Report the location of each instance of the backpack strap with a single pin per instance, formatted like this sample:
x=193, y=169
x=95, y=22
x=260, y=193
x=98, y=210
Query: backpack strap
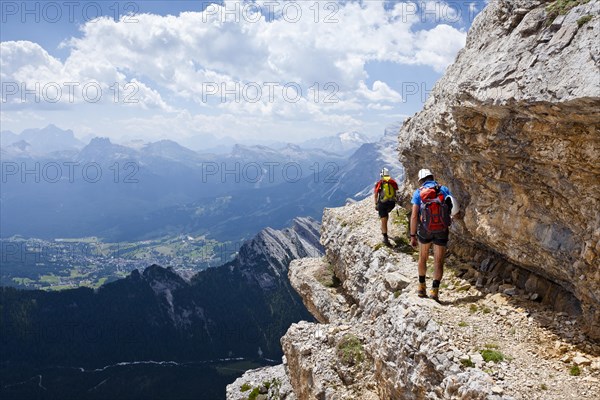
x=379, y=188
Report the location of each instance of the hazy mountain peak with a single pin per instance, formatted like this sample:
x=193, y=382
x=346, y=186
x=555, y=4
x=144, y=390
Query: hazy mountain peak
x=254, y=151
x=364, y=166
x=7, y=138
x=344, y=143
x=292, y=146
x=165, y=143
x=50, y=139
x=49, y=130
x=101, y=149
x=136, y=144
x=16, y=149
x=100, y=142
x=353, y=137
x=169, y=149
x=21, y=145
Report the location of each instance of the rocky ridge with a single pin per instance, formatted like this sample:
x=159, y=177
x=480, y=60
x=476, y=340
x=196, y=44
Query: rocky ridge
x=377, y=340
x=516, y=119
x=273, y=250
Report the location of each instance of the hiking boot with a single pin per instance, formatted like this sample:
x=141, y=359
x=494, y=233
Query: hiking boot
x=434, y=293
x=422, y=291
x=386, y=241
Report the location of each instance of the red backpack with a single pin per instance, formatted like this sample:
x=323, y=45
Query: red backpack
x=435, y=214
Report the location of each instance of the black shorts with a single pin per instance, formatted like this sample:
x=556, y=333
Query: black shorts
x=385, y=208
x=441, y=239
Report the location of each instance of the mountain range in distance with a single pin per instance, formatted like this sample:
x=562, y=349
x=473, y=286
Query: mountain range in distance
x=52, y=139
x=238, y=310
x=145, y=191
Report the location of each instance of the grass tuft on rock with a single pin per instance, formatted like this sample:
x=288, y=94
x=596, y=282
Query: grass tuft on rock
x=467, y=363
x=561, y=7
x=575, y=370
x=350, y=350
x=378, y=246
x=245, y=387
x=492, y=355
x=583, y=20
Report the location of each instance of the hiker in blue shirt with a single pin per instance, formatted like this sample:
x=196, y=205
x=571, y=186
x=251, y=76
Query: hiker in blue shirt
x=433, y=206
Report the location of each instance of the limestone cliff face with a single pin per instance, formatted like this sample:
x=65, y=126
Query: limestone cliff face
x=513, y=128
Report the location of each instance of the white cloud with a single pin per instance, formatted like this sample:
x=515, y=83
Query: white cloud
x=380, y=92
x=30, y=76
x=438, y=47
x=379, y=107
x=177, y=59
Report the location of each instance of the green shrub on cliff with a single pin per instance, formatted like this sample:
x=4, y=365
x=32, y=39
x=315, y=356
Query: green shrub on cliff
x=350, y=350
x=583, y=20
x=562, y=7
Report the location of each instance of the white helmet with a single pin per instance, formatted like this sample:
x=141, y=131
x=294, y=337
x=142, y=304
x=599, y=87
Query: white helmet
x=384, y=172
x=424, y=173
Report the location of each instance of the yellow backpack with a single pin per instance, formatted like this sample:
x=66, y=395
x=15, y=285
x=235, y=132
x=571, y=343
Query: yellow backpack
x=387, y=191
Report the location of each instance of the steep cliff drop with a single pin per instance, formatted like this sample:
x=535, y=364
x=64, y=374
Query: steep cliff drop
x=377, y=340
x=513, y=128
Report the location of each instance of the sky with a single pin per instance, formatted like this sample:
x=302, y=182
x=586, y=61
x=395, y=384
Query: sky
x=255, y=71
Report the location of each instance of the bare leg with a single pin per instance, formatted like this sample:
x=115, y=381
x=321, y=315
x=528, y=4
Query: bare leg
x=439, y=252
x=423, y=254
x=384, y=222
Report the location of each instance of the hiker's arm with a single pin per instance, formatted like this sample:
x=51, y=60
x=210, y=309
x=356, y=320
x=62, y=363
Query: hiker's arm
x=414, y=220
x=375, y=192
x=454, y=206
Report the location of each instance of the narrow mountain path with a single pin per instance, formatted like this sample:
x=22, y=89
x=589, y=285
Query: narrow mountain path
x=544, y=354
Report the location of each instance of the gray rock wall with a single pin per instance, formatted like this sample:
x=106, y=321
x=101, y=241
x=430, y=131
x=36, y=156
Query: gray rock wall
x=513, y=128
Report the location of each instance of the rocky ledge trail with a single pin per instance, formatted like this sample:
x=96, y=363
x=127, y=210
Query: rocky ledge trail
x=377, y=340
